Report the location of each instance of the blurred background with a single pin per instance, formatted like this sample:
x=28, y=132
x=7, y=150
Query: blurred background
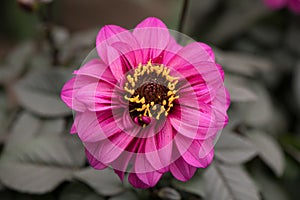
x=42, y=41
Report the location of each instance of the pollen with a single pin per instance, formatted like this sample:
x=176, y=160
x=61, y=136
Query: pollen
x=151, y=92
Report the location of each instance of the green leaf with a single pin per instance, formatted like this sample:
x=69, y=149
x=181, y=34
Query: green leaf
x=261, y=113
x=78, y=191
x=28, y=126
x=39, y=92
x=234, y=149
x=243, y=64
x=238, y=90
x=195, y=185
x=268, y=150
x=238, y=18
x=270, y=189
x=168, y=193
x=16, y=62
x=129, y=195
x=224, y=182
x=38, y=165
x=105, y=182
x=3, y=117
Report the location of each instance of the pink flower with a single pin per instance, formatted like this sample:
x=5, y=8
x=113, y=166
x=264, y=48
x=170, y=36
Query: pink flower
x=148, y=105
x=293, y=5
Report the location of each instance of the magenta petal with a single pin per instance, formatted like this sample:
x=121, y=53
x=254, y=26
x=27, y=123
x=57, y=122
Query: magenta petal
x=153, y=37
x=110, y=34
x=189, y=55
x=108, y=150
x=73, y=129
x=94, y=68
x=193, y=122
x=276, y=4
x=70, y=90
x=96, y=164
x=159, y=148
x=120, y=174
x=92, y=127
x=130, y=56
x=96, y=96
x=181, y=170
x=136, y=182
x=208, y=49
x=150, y=178
x=294, y=6
x=198, y=153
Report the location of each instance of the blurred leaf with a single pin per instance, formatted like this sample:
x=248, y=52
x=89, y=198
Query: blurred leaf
x=60, y=35
x=39, y=92
x=269, y=188
x=292, y=36
x=266, y=35
x=168, y=193
x=2, y=117
x=229, y=182
x=78, y=191
x=28, y=126
x=195, y=185
x=105, y=182
x=296, y=85
x=238, y=90
x=236, y=19
x=261, y=113
x=41, y=61
x=125, y=196
x=243, y=64
x=234, y=149
x=39, y=165
x=268, y=150
x=16, y=62
x=78, y=46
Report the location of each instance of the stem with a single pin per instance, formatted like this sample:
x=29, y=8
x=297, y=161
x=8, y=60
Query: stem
x=183, y=15
x=46, y=18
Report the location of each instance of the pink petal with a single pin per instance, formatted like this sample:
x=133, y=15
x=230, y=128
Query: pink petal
x=129, y=55
x=208, y=49
x=96, y=96
x=121, y=174
x=181, y=170
x=153, y=37
x=115, y=61
x=150, y=178
x=193, y=121
x=190, y=55
x=94, y=68
x=108, y=150
x=92, y=126
x=70, y=89
x=198, y=153
x=159, y=148
x=96, y=164
x=221, y=71
x=220, y=105
x=110, y=34
x=73, y=129
x=136, y=182
x=170, y=51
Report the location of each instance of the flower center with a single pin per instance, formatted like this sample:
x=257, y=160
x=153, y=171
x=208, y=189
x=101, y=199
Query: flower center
x=151, y=92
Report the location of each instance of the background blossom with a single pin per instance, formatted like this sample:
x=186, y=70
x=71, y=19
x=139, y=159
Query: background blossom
x=293, y=5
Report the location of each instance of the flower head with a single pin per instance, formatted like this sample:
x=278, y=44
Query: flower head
x=148, y=105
